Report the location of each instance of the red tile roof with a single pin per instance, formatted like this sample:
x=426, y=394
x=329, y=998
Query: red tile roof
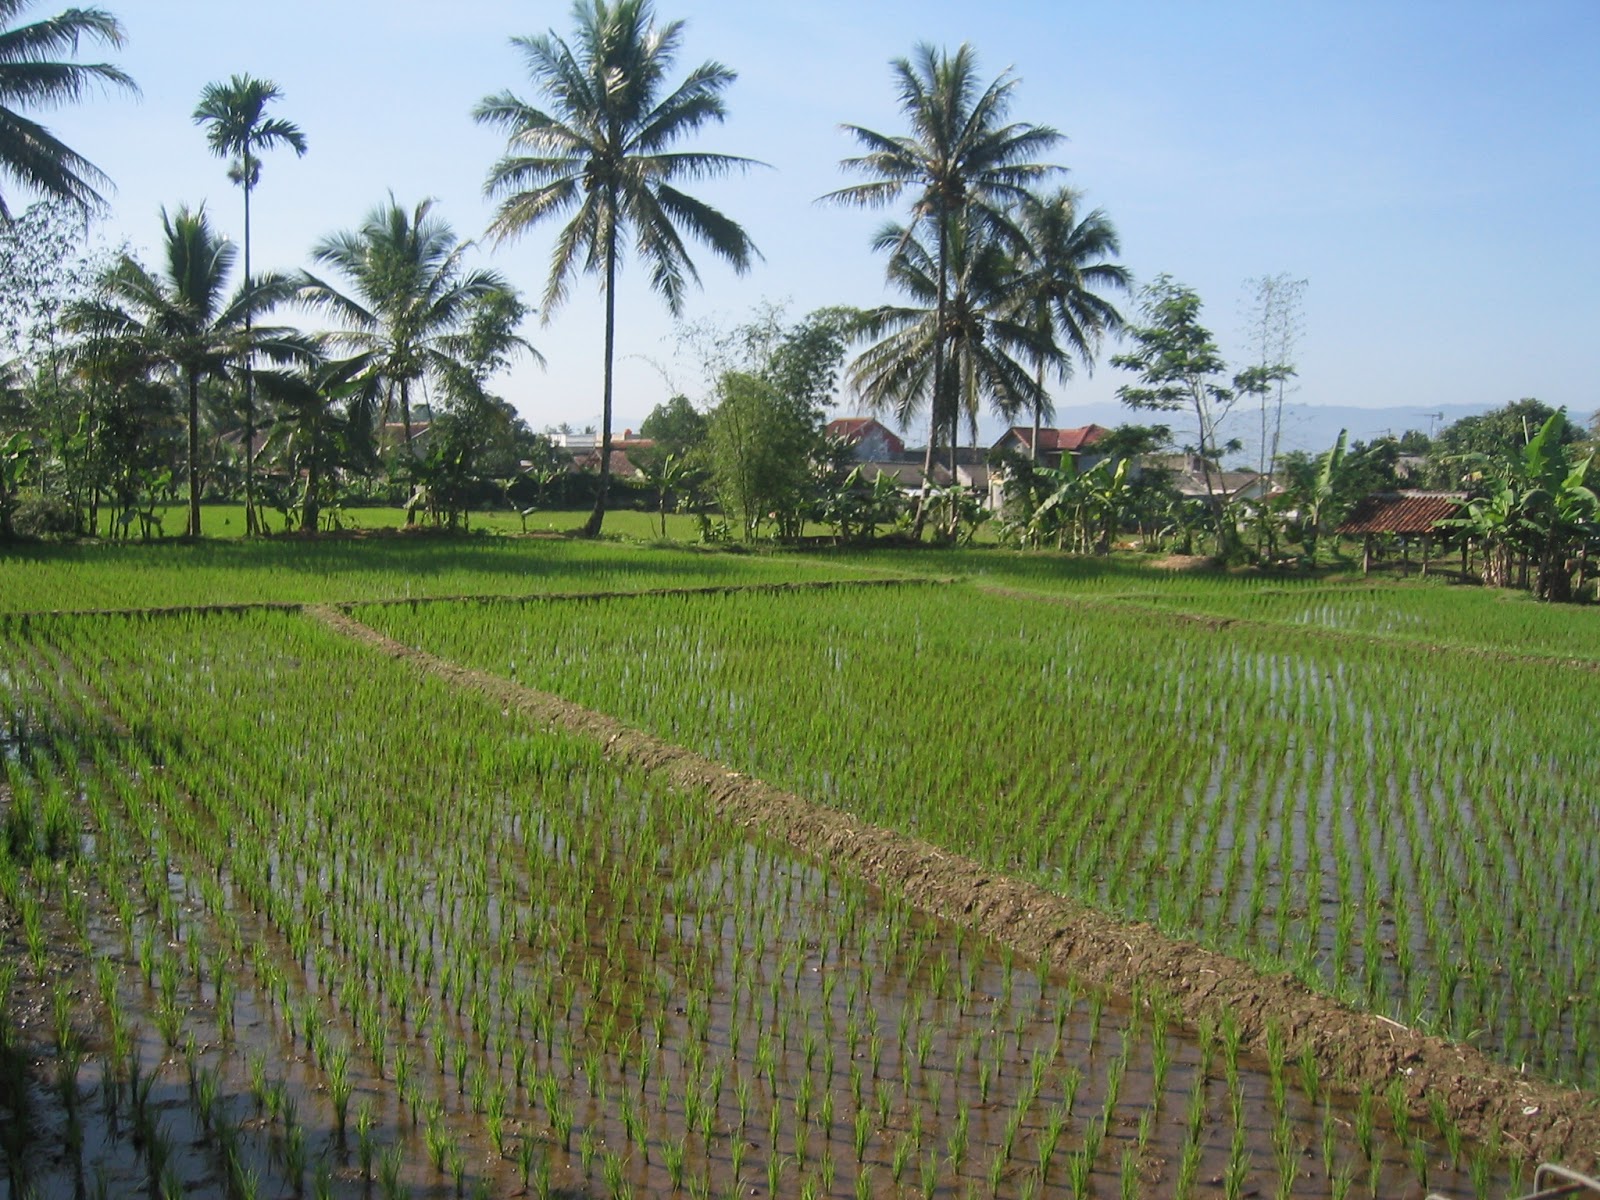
x=1068, y=440
x=1410, y=513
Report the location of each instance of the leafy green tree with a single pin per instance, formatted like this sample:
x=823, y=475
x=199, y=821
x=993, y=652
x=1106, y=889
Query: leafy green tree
x=677, y=427
x=1500, y=436
x=963, y=164
x=183, y=319
x=1181, y=370
x=762, y=442
x=238, y=128
x=410, y=308
x=1064, y=267
x=29, y=75
x=607, y=147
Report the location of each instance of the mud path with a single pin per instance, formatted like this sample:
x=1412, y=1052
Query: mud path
x=1537, y=1120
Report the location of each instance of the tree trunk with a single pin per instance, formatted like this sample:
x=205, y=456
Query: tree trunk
x=597, y=518
x=251, y=521
x=194, y=453
x=310, y=510
x=937, y=398
x=411, y=458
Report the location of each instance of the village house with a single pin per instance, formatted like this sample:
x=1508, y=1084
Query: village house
x=869, y=439
x=1073, y=445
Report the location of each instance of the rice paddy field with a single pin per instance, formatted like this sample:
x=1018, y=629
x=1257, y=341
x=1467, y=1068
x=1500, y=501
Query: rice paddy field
x=286, y=571
x=287, y=914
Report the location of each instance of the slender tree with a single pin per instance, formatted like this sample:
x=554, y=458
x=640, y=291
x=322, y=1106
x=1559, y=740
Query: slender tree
x=960, y=155
x=606, y=147
x=30, y=76
x=238, y=129
x=183, y=320
x=408, y=307
x=1065, y=271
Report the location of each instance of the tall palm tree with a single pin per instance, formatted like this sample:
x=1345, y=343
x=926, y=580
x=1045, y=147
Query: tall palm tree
x=961, y=156
x=408, y=308
x=1064, y=271
x=29, y=153
x=990, y=341
x=184, y=321
x=606, y=148
x=238, y=128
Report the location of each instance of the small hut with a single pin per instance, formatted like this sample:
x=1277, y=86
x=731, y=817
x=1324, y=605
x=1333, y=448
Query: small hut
x=1405, y=515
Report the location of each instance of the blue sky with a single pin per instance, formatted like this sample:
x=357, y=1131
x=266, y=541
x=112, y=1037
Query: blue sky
x=1433, y=169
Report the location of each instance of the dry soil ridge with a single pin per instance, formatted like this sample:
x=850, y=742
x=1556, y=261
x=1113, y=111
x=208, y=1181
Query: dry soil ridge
x=1537, y=1119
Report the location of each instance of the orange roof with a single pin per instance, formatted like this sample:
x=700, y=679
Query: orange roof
x=1410, y=513
x=1067, y=440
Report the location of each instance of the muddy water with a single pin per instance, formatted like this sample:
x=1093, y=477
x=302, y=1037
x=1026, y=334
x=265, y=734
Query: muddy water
x=730, y=1020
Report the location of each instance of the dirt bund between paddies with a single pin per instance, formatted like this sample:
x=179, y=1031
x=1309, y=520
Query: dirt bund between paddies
x=1537, y=1120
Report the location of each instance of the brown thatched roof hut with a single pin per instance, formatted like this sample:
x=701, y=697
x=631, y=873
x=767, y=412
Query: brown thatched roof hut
x=1403, y=514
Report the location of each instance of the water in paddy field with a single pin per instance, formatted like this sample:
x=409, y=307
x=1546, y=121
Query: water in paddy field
x=601, y=985
x=842, y=1037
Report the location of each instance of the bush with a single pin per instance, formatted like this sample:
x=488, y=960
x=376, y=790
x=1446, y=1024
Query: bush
x=45, y=517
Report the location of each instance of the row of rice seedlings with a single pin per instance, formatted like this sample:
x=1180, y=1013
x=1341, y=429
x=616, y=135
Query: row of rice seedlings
x=1372, y=824
x=562, y=974
x=76, y=577
x=1442, y=615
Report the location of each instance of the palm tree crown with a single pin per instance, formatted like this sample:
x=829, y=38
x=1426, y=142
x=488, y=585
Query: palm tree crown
x=29, y=75
x=606, y=147
x=960, y=150
x=238, y=126
x=1064, y=270
x=408, y=304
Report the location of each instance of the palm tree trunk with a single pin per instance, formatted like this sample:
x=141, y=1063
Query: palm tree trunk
x=309, y=512
x=934, y=413
x=597, y=517
x=1038, y=412
x=410, y=458
x=194, y=453
x=251, y=523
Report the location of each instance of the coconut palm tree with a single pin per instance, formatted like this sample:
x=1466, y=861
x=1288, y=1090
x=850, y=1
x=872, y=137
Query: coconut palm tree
x=408, y=307
x=29, y=153
x=1064, y=271
x=960, y=157
x=183, y=320
x=239, y=129
x=989, y=340
x=607, y=147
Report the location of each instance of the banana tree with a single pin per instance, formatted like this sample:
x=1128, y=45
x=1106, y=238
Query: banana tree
x=16, y=453
x=1087, y=505
x=1538, y=508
